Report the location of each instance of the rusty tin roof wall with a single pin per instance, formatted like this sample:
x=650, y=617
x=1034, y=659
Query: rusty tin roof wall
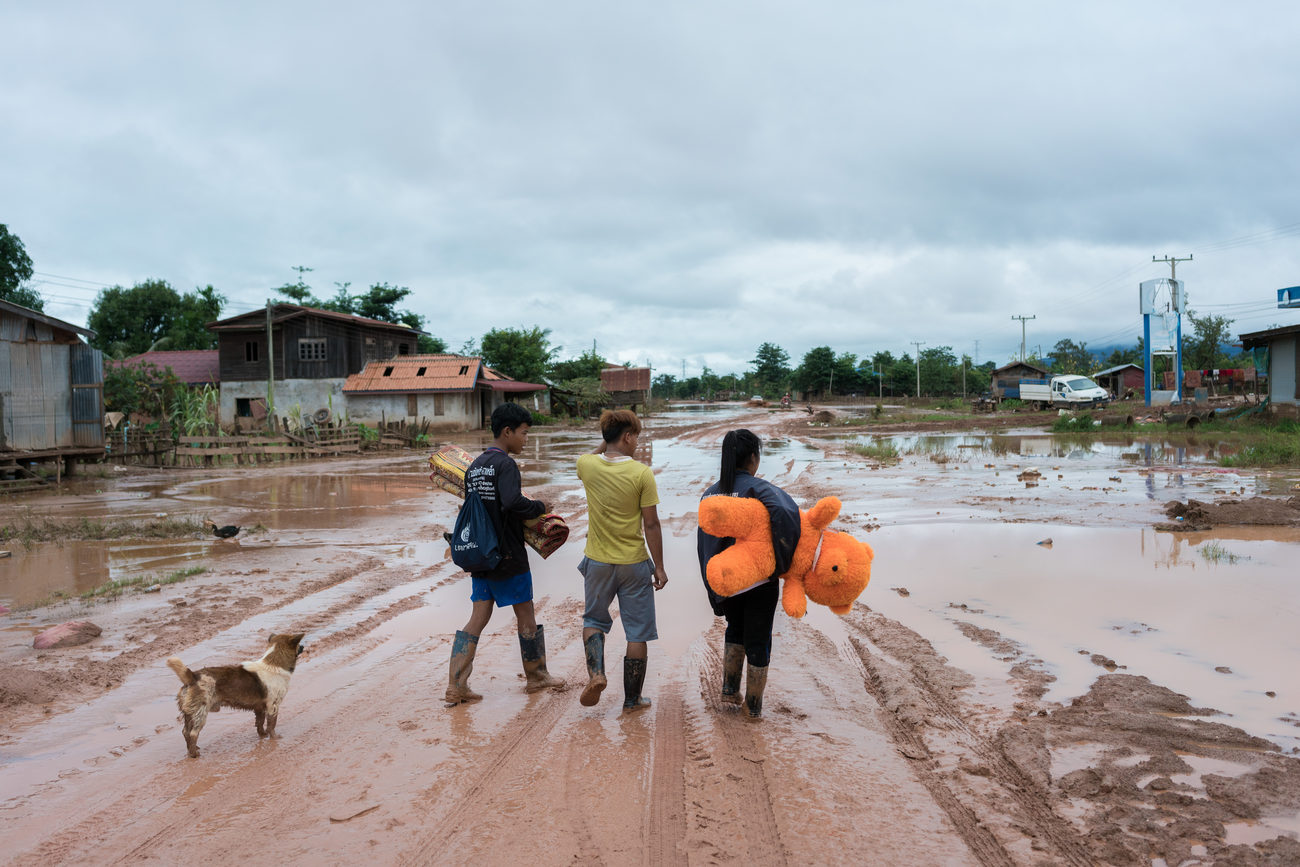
x=625, y=378
x=411, y=373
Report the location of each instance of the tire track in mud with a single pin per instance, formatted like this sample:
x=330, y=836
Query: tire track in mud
x=516, y=754
x=733, y=747
x=1029, y=797
x=666, y=819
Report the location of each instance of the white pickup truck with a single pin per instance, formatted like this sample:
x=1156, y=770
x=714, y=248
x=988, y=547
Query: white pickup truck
x=1063, y=391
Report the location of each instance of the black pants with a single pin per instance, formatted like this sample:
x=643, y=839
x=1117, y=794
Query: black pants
x=749, y=621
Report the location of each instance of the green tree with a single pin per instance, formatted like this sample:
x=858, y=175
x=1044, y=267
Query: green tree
x=1071, y=357
x=939, y=372
x=848, y=379
x=520, y=354
x=1132, y=355
x=130, y=321
x=901, y=378
x=814, y=373
x=585, y=366
x=771, y=369
x=196, y=309
x=1204, y=349
x=15, y=270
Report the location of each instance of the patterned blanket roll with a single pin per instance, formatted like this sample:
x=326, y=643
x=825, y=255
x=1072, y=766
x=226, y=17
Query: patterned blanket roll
x=544, y=534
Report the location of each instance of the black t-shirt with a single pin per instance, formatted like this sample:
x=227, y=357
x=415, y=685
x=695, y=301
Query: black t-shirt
x=494, y=475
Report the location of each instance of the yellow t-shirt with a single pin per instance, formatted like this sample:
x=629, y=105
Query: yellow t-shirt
x=617, y=491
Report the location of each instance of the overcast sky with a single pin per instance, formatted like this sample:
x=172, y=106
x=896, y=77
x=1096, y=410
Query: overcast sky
x=679, y=182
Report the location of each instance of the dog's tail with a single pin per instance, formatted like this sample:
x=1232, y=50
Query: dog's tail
x=187, y=677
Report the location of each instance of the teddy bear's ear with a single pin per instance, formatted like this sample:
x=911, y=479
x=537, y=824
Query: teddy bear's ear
x=825, y=510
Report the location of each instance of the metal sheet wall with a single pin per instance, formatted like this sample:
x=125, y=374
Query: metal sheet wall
x=86, y=369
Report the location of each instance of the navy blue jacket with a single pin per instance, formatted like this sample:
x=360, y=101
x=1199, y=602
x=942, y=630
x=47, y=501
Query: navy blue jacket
x=785, y=529
x=495, y=476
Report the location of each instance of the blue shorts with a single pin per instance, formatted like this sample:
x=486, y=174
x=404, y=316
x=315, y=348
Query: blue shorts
x=632, y=585
x=503, y=591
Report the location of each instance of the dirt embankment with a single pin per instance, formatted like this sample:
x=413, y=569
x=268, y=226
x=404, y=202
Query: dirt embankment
x=1195, y=515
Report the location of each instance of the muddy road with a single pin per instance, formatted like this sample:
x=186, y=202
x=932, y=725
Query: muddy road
x=1034, y=676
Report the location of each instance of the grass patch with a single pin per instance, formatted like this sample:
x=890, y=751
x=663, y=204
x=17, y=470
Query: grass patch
x=31, y=530
x=882, y=452
x=117, y=587
x=1276, y=449
x=1078, y=423
x=1213, y=552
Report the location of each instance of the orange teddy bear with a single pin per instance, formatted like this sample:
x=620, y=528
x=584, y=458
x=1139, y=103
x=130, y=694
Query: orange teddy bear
x=828, y=567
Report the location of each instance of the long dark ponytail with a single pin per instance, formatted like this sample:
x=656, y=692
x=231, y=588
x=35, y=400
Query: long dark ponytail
x=739, y=447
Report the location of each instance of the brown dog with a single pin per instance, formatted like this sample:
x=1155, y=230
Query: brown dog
x=258, y=686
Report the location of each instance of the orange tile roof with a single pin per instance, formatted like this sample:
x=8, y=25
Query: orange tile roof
x=416, y=373
x=412, y=373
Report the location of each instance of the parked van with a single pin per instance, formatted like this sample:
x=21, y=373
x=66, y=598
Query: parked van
x=1067, y=391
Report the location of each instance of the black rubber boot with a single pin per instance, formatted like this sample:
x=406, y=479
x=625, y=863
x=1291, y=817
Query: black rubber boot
x=633, y=680
x=594, y=647
x=533, y=651
x=755, y=682
x=733, y=666
x=463, y=649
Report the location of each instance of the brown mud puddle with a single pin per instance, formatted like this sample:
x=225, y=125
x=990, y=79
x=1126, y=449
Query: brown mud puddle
x=1117, y=697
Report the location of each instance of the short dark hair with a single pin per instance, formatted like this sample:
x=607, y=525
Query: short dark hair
x=509, y=415
x=616, y=422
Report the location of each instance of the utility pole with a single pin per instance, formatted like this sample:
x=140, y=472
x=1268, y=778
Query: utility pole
x=270, y=367
x=977, y=353
x=918, y=344
x=1022, y=333
x=1173, y=264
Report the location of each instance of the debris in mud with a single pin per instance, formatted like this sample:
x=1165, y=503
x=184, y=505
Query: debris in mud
x=1195, y=515
x=1029, y=475
x=68, y=634
x=1046, y=543
x=369, y=809
x=901, y=591
x=1223, y=669
x=1105, y=662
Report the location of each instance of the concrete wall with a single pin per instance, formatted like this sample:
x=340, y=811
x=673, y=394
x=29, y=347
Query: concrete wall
x=448, y=411
x=310, y=394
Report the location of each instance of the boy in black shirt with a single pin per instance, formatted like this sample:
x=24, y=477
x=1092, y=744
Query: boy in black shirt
x=494, y=475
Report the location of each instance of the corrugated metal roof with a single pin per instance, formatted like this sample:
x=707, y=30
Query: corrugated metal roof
x=418, y=373
x=625, y=379
x=191, y=366
x=282, y=312
x=19, y=310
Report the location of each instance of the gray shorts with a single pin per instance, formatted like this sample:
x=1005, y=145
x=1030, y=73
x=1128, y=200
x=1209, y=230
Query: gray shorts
x=632, y=584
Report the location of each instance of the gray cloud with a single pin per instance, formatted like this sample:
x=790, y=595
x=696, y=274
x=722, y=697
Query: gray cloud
x=678, y=182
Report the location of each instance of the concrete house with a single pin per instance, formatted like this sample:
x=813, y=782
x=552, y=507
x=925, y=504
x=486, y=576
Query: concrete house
x=450, y=392
x=51, y=389
x=309, y=355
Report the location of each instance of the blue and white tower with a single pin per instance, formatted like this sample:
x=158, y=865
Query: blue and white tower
x=1162, y=302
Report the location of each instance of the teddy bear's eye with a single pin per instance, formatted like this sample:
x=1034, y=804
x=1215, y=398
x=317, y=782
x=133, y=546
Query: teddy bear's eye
x=835, y=568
